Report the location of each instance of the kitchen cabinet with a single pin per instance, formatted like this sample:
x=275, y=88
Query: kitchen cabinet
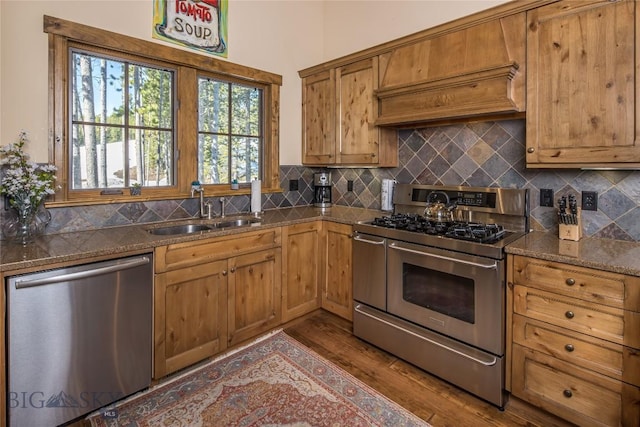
x=338, y=116
x=302, y=269
x=337, y=287
x=582, y=85
x=574, y=341
x=254, y=294
x=189, y=316
x=208, y=294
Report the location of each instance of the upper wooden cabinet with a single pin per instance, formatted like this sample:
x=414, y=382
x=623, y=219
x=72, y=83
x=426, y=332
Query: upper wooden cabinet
x=582, y=88
x=338, y=115
x=470, y=71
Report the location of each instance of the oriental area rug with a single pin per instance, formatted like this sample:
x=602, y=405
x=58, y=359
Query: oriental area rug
x=274, y=381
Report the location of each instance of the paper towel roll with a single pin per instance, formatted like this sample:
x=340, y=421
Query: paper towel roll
x=256, y=197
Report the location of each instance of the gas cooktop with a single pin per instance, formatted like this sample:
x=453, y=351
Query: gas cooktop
x=471, y=231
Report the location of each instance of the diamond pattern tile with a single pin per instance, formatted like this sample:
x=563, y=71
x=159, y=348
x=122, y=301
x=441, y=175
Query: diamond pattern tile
x=484, y=154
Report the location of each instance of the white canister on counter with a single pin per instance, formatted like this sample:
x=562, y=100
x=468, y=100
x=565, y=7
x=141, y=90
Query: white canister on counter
x=386, y=194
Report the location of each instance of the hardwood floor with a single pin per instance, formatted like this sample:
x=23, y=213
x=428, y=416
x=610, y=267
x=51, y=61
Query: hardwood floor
x=435, y=401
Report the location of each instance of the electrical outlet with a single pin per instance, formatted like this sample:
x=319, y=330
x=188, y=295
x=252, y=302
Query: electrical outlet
x=293, y=185
x=589, y=200
x=546, y=197
x=349, y=185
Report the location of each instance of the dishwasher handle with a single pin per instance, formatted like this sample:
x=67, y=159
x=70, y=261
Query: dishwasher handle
x=89, y=272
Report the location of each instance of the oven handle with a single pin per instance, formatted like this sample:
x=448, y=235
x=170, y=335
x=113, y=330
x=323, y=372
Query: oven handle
x=458, y=352
x=360, y=239
x=461, y=261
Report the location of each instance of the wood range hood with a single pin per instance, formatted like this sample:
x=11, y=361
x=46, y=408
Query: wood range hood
x=458, y=73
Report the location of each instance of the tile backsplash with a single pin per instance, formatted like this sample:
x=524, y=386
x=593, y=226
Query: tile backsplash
x=486, y=154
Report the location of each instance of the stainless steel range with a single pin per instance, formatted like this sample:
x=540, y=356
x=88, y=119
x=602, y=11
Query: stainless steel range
x=429, y=281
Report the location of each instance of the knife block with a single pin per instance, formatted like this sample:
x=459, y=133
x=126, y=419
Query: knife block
x=571, y=231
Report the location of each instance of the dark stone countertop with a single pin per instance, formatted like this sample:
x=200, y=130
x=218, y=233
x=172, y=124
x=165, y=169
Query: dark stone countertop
x=111, y=242
x=616, y=256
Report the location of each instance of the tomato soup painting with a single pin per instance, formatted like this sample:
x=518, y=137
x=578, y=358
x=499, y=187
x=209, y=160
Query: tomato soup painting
x=198, y=24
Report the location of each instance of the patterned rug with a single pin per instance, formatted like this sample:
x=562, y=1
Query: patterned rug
x=275, y=381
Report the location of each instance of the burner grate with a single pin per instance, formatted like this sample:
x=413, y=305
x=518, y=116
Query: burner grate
x=471, y=231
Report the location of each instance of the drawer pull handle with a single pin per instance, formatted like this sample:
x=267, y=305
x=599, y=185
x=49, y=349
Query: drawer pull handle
x=569, y=314
x=569, y=347
x=570, y=281
x=567, y=393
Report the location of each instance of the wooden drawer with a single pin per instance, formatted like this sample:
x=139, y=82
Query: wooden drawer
x=573, y=393
x=180, y=255
x=611, y=324
x=611, y=289
x=613, y=360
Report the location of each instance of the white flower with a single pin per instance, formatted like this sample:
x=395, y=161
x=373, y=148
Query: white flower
x=26, y=183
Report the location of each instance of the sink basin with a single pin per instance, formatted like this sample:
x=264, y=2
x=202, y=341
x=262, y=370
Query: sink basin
x=180, y=229
x=235, y=223
x=171, y=230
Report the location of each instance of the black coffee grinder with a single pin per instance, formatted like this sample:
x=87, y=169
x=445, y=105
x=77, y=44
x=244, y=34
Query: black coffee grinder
x=322, y=190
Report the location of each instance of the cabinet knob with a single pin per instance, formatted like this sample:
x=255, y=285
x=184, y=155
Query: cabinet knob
x=570, y=281
x=567, y=393
x=569, y=347
x=531, y=150
x=233, y=269
x=569, y=314
x=224, y=272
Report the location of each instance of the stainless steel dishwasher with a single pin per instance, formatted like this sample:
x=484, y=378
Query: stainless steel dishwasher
x=79, y=339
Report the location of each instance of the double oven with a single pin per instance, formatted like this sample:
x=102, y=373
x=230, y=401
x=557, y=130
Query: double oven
x=433, y=292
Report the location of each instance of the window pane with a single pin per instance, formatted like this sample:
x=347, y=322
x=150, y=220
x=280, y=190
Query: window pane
x=213, y=106
x=213, y=159
x=97, y=89
x=150, y=158
x=150, y=103
x=245, y=158
x=135, y=143
x=245, y=110
x=97, y=157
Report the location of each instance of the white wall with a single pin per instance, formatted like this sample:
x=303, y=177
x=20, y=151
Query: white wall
x=279, y=36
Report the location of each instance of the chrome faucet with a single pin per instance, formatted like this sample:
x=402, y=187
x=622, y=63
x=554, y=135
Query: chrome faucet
x=204, y=213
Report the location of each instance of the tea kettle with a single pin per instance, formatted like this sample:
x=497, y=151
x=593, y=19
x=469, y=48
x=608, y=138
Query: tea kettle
x=439, y=207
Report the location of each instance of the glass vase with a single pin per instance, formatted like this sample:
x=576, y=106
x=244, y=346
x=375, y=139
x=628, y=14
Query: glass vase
x=25, y=223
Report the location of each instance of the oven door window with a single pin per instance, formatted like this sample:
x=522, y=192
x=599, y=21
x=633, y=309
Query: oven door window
x=439, y=291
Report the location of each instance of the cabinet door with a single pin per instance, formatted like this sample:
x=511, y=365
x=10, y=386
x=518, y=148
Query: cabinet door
x=254, y=294
x=337, y=291
x=190, y=322
x=301, y=272
x=318, y=119
x=581, y=84
x=357, y=135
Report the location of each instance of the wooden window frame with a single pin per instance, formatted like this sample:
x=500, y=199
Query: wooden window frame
x=62, y=34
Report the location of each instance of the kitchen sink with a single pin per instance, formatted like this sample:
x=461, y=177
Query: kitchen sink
x=180, y=229
x=202, y=227
x=235, y=223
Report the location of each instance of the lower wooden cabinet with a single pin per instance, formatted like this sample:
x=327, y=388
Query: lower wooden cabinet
x=573, y=347
x=576, y=394
x=337, y=286
x=190, y=321
x=213, y=293
x=302, y=262
x=254, y=294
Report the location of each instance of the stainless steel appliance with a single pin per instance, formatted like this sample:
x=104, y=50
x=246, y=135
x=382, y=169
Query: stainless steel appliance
x=78, y=339
x=431, y=289
x=322, y=189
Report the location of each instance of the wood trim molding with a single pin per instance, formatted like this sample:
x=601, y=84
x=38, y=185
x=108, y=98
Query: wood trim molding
x=94, y=36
